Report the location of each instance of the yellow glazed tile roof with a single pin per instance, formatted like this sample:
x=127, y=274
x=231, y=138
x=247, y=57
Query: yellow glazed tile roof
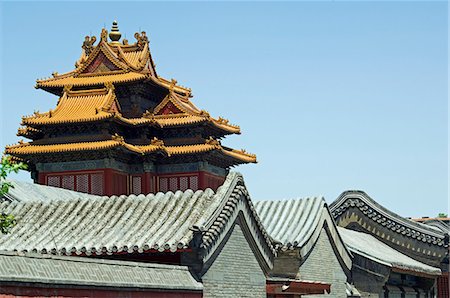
x=29, y=148
x=26, y=149
x=135, y=58
x=190, y=114
x=77, y=106
x=27, y=130
x=60, y=82
x=167, y=120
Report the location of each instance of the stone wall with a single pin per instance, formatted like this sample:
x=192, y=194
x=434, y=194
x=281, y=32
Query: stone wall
x=323, y=265
x=235, y=271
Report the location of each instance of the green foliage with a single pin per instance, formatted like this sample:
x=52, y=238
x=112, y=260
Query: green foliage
x=442, y=215
x=7, y=221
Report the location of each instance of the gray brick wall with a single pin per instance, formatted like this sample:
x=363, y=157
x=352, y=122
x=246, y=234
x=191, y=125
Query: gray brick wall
x=235, y=272
x=323, y=265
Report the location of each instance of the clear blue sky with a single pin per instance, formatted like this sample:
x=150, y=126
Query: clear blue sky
x=331, y=96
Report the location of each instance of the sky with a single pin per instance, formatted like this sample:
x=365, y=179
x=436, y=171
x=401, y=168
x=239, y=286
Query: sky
x=330, y=95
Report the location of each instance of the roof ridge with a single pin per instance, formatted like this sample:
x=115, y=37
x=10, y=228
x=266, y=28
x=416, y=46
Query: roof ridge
x=337, y=207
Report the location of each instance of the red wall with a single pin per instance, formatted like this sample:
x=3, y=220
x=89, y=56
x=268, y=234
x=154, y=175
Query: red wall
x=21, y=291
x=111, y=182
x=443, y=286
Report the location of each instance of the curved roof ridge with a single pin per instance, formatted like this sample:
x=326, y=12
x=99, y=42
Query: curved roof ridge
x=298, y=223
x=338, y=207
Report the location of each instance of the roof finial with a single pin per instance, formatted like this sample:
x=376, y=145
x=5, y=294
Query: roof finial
x=115, y=35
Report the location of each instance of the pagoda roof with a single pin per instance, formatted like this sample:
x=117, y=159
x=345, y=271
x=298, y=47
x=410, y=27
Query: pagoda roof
x=111, y=62
x=99, y=104
x=25, y=150
x=77, y=106
x=98, y=79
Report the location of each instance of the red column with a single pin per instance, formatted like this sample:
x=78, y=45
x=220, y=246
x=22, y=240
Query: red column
x=147, y=184
x=108, y=178
x=202, y=180
x=41, y=178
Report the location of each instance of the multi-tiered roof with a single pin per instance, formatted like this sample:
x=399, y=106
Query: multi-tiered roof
x=114, y=103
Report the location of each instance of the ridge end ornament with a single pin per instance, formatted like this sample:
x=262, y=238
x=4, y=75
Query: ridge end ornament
x=88, y=44
x=141, y=39
x=104, y=35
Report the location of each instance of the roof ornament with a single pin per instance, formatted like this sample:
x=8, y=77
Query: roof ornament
x=67, y=88
x=172, y=85
x=109, y=86
x=88, y=44
x=104, y=35
x=118, y=138
x=204, y=113
x=142, y=39
x=156, y=142
x=212, y=141
x=115, y=34
x=149, y=115
x=223, y=120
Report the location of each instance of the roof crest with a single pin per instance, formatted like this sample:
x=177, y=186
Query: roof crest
x=339, y=206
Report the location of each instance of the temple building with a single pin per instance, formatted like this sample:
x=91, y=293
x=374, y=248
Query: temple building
x=134, y=197
x=119, y=128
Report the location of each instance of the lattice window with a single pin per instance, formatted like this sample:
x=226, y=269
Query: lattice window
x=173, y=182
x=82, y=183
x=97, y=184
x=137, y=185
x=184, y=183
x=54, y=181
x=163, y=184
x=193, y=183
x=442, y=286
x=68, y=182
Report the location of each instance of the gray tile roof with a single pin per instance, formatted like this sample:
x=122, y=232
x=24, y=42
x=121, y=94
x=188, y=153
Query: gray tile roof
x=291, y=222
x=107, y=225
x=369, y=247
x=297, y=223
x=25, y=191
x=78, y=271
x=383, y=216
x=158, y=222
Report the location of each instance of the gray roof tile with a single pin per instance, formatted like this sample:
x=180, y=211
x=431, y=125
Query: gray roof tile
x=78, y=271
x=107, y=225
x=25, y=191
x=84, y=224
x=369, y=247
x=297, y=223
x=291, y=222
